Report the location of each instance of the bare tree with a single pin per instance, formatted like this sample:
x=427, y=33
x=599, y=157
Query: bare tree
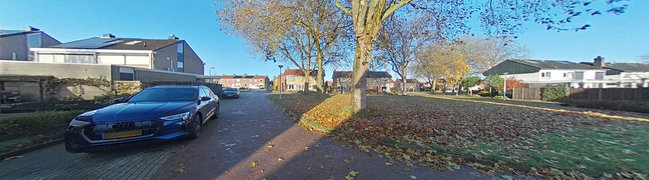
x=485, y=52
x=400, y=40
x=367, y=17
x=305, y=33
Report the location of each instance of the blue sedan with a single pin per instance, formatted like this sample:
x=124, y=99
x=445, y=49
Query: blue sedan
x=154, y=114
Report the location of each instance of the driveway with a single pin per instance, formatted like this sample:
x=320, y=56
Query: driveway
x=252, y=139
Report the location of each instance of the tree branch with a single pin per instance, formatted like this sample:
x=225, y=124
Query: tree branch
x=340, y=6
x=393, y=8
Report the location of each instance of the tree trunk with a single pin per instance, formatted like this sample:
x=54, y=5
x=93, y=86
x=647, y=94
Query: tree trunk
x=361, y=63
x=319, y=60
x=307, y=77
x=404, y=85
x=432, y=89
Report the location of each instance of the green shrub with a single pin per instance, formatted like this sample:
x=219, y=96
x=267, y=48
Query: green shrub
x=554, y=93
x=499, y=97
x=394, y=90
x=484, y=93
x=34, y=123
x=371, y=91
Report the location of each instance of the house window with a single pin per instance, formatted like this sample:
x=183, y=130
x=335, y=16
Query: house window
x=181, y=57
x=546, y=75
x=579, y=75
x=291, y=87
x=238, y=80
x=126, y=74
x=599, y=75
x=34, y=40
x=79, y=58
x=291, y=78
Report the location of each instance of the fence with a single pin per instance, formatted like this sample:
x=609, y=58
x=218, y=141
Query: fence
x=527, y=94
x=613, y=94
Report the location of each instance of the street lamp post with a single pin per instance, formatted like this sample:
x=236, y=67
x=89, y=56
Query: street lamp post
x=280, y=81
x=211, y=70
x=505, y=87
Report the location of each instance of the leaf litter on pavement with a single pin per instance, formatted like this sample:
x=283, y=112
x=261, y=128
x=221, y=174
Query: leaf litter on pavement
x=443, y=134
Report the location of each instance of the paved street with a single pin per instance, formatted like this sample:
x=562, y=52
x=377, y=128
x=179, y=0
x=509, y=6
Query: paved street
x=252, y=139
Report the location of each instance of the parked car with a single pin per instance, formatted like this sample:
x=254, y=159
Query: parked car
x=154, y=114
x=231, y=93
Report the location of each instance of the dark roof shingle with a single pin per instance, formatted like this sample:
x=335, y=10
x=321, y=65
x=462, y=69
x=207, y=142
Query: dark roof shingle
x=554, y=64
x=118, y=43
x=629, y=67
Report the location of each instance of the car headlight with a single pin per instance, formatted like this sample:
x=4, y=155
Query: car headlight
x=78, y=123
x=89, y=113
x=83, y=119
x=181, y=116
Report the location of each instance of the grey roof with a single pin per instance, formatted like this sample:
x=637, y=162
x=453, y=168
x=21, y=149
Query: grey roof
x=629, y=67
x=118, y=43
x=92, y=43
x=553, y=64
x=12, y=32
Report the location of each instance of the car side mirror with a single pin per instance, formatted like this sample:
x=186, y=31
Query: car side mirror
x=205, y=98
x=119, y=100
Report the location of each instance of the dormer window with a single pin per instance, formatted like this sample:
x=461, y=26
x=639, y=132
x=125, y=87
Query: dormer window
x=546, y=75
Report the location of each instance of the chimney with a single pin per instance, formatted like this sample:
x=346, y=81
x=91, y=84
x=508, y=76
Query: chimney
x=109, y=35
x=598, y=61
x=172, y=37
x=30, y=29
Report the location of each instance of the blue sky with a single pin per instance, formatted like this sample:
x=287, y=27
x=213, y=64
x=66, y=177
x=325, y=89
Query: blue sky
x=621, y=38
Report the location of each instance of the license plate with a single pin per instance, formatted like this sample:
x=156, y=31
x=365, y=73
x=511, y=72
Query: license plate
x=123, y=134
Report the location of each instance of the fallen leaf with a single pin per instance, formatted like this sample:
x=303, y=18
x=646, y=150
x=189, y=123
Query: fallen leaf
x=413, y=177
x=351, y=175
x=253, y=164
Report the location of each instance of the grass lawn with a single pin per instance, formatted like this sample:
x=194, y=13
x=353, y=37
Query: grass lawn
x=442, y=134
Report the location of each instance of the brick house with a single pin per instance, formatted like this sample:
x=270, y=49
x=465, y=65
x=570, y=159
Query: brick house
x=379, y=81
x=411, y=84
x=244, y=81
x=293, y=80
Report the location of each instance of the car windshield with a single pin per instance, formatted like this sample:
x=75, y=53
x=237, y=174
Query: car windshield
x=166, y=94
x=230, y=89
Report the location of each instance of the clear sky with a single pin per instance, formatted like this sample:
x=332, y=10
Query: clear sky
x=621, y=38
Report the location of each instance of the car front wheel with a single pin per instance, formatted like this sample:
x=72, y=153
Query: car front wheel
x=194, y=128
